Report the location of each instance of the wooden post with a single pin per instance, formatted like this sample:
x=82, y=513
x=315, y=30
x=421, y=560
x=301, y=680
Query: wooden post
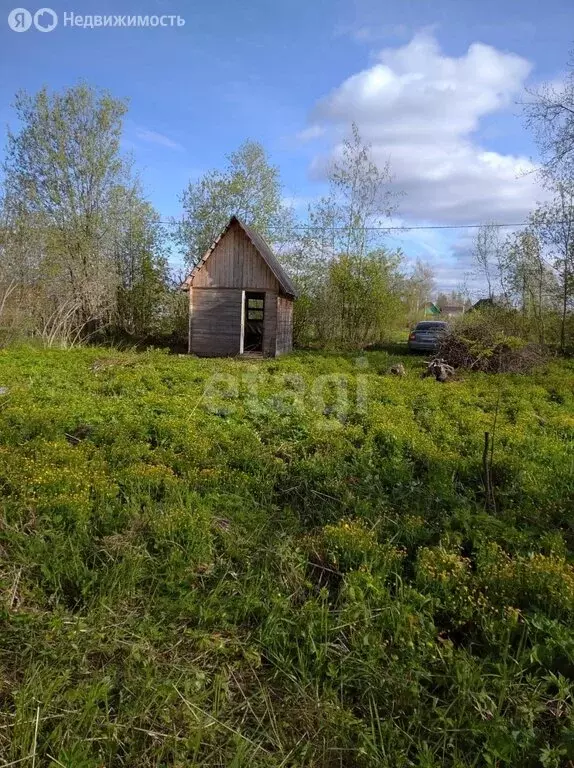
x=487, y=472
x=242, y=331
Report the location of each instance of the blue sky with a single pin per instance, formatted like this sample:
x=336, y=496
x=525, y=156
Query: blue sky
x=432, y=85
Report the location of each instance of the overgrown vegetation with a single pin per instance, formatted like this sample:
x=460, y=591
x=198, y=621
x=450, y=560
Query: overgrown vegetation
x=494, y=340
x=81, y=250
x=290, y=563
x=249, y=187
x=84, y=255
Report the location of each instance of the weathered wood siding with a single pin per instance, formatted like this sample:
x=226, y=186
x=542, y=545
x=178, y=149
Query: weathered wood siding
x=284, y=334
x=270, y=324
x=235, y=263
x=215, y=323
x=215, y=299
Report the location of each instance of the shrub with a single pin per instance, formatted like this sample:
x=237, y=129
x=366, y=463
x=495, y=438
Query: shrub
x=492, y=341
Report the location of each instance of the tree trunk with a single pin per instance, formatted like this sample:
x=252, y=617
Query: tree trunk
x=564, y=308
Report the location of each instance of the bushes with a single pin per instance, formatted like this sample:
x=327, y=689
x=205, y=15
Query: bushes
x=350, y=302
x=494, y=341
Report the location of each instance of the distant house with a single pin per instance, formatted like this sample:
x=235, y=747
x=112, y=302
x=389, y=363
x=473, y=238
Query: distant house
x=452, y=310
x=240, y=298
x=483, y=304
x=445, y=310
x=431, y=309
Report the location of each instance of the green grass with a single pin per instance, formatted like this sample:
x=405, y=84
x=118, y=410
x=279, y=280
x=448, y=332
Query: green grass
x=267, y=568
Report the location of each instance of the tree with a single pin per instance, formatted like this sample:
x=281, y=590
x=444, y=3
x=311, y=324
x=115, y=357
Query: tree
x=463, y=291
x=549, y=113
x=69, y=199
x=364, y=297
x=554, y=224
x=141, y=264
x=361, y=197
x=456, y=296
x=248, y=187
x=60, y=171
x=530, y=278
x=488, y=254
x=417, y=289
x=350, y=284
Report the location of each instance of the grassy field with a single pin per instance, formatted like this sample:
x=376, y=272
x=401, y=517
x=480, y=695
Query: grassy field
x=283, y=563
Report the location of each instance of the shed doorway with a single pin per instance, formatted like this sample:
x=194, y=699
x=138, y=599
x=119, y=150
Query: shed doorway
x=254, y=317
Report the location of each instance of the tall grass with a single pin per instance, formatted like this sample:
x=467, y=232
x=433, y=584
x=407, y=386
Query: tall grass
x=270, y=568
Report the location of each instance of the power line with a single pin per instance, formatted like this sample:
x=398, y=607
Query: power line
x=402, y=229
x=389, y=229
x=447, y=226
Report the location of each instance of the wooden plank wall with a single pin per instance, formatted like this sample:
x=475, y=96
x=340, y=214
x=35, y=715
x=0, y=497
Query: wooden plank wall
x=189, y=319
x=215, y=300
x=215, y=326
x=235, y=263
x=270, y=324
x=284, y=325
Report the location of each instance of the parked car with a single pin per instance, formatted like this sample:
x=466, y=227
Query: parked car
x=426, y=335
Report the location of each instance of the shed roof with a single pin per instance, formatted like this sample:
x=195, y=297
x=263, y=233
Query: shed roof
x=263, y=249
x=431, y=308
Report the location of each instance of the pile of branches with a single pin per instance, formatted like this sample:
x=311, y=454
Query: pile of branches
x=479, y=344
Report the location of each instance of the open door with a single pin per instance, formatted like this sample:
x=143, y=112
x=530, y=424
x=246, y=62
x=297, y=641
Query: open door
x=254, y=316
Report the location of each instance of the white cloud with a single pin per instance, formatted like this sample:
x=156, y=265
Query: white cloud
x=312, y=132
x=422, y=109
x=152, y=137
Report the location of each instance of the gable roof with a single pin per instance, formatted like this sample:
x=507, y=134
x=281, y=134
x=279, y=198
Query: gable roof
x=431, y=308
x=262, y=249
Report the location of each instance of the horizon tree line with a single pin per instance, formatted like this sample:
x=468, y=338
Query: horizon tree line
x=84, y=254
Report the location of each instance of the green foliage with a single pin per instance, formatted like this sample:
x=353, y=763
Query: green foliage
x=66, y=153
x=351, y=287
x=289, y=565
x=362, y=297
x=249, y=187
x=356, y=302
x=533, y=269
x=495, y=339
x=141, y=264
x=81, y=247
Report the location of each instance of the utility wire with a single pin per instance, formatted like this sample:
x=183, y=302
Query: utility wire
x=386, y=229
x=403, y=229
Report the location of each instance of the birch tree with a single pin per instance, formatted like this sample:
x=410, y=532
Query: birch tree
x=554, y=225
x=487, y=254
x=352, y=282
x=69, y=197
x=249, y=186
x=60, y=170
x=549, y=113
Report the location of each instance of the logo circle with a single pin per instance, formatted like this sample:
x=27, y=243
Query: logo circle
x=19, y=20
x=45, y=20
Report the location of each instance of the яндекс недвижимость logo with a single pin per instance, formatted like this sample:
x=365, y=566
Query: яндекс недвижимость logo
x=20, y=20
x=45, y=20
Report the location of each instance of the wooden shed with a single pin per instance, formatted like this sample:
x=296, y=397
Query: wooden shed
x=240, y=298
